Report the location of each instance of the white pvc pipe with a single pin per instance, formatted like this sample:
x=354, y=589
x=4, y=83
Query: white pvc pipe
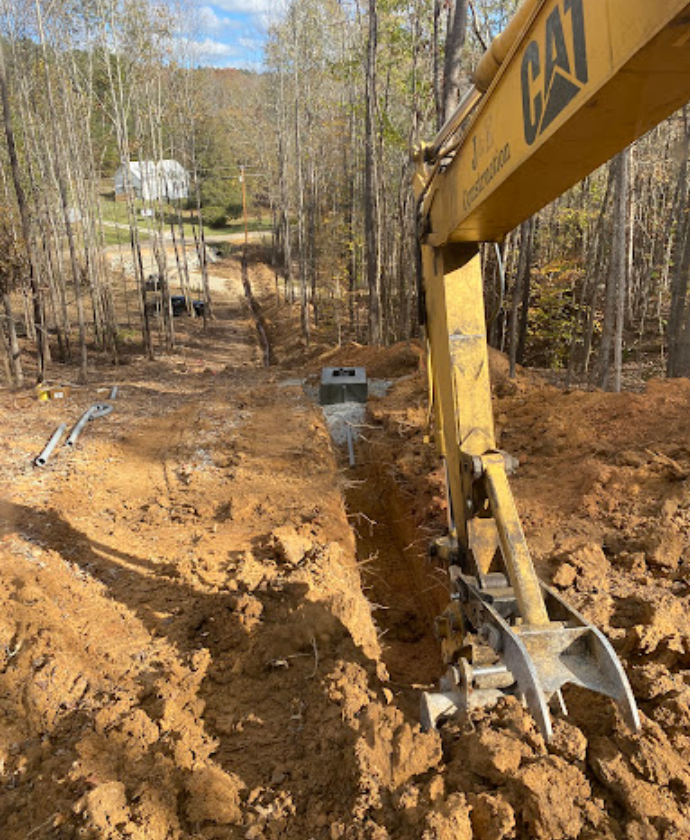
x=98, y=410
x=42, y=459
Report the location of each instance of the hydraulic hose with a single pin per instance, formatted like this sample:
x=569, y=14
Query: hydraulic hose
x=96, y=411
x=451, y=136
x=495, y=56
x=50, y=447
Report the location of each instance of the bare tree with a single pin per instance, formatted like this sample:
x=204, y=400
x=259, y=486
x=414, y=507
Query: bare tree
x=453, y=69
x=38, y=314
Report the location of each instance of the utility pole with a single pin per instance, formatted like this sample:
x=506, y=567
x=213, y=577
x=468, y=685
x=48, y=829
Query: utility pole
x=243, y=181
x=245, y=267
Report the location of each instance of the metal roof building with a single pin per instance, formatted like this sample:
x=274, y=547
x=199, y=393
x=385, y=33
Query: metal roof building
x=151, y=181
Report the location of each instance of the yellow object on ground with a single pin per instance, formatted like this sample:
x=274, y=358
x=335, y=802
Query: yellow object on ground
x=52, y=392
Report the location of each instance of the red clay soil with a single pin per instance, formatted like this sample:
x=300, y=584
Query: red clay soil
x=211, y=627
x=604, y=493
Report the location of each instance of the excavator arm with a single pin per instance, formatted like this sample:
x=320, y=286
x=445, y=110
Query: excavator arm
x=568, y=84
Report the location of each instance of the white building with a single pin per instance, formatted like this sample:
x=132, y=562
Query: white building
x=150, y=181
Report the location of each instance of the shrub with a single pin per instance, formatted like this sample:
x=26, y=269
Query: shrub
x=234, y=209
x=214, y=216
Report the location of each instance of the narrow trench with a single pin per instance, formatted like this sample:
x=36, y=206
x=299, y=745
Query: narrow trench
x=406, y=589
x=257, y=314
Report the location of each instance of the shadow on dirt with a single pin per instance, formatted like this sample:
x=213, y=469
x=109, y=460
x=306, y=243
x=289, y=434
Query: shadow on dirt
x=265, y=701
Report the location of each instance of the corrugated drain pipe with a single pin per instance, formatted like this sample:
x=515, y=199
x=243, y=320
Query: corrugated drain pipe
x=97, y=410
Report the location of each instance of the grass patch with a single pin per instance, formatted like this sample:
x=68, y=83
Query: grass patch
x=115, y=212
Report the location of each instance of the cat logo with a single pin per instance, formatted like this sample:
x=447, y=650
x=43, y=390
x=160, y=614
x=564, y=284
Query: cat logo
x=549, y=87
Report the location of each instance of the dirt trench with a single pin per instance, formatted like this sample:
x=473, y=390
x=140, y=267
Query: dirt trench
x=603, y=494
x=406, y=589
x=186, y=649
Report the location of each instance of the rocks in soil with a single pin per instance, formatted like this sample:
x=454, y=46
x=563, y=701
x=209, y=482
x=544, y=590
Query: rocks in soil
x=645, y=775
x=583, y=565
x=566, y=576
x=495, y=756
x=106, y=807
x=290, y=546
x=492, y=817
x=664, y=628
x=663, y=546
x=494, y=744
x=568, y=742
x=390, y=751
x=348, y=686
x=552, y=794
x=214, y=796
x=450, y=822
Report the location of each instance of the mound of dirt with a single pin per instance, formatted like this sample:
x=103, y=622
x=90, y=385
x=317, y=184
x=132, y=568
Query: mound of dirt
x=603, y=493
x=380, y=362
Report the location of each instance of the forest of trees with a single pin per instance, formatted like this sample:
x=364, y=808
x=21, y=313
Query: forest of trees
x=85, y=87
x=349, y=88
x=598, y=278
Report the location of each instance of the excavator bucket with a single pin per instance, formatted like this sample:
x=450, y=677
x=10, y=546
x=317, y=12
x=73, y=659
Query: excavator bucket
x=533, y=663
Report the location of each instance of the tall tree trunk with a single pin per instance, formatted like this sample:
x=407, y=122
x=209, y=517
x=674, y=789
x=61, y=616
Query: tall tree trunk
x=38, y=313
x=618, y=169
x=61, y=180
x=680, y=254
x=301, y=236
x=283, y=194
x=436, y=66
x=516, y=297
x=13, y=343
x=526, y=293
x=620, y=262
x=455, y=41
x=370, y=183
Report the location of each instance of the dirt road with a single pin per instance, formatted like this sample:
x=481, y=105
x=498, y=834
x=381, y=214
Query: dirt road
x=210, y=627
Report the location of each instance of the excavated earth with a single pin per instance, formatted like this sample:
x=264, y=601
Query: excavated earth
x=212, y=627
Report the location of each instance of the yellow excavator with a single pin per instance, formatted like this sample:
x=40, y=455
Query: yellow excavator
x=569, y=84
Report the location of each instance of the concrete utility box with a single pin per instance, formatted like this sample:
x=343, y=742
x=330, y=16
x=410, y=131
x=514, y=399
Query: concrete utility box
x=340, y=385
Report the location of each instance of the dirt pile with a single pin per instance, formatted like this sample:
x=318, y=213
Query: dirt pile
x=603, y=492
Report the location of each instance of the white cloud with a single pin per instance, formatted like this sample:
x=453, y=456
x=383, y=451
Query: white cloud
x=248, y=7
x=250, y=44
x=261, y=13
x=208, y=48
x=231, y=33
x=210, y=21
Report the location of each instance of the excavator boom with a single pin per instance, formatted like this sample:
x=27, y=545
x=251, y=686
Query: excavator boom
x=581, y=80
x=569, y=84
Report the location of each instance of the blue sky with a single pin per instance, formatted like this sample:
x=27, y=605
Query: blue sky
x=231, y=33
